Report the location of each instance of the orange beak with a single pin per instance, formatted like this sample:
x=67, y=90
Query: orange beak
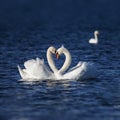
x=57, y=55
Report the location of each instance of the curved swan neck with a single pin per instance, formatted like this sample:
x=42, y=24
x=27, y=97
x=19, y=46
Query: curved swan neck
x=96, y=37
x=67, y=60
x=50, y=61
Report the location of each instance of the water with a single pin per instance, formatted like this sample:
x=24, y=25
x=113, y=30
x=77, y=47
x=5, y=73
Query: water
x=95, y=98
x=87, y=99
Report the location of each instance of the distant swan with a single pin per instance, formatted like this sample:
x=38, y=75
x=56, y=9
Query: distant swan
x=83, y=70
x=94, y=40
x=36, y=69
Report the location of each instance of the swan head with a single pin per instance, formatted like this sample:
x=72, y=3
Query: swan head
x=52, y=50
x=61, y=50
x=96, y=32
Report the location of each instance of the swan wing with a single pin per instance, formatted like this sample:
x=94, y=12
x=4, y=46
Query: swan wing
x=29, y=64
x=83, y=70
x=75, y=67
x=75, y=72
x=37, y=68
x=24, y=74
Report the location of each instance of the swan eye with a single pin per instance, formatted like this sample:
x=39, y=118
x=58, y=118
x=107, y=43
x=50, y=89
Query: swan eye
x=55, y=51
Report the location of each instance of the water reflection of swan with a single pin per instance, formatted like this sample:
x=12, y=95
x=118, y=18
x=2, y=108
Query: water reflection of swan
x=83, y=70
x=94, y=40
x=36, y=69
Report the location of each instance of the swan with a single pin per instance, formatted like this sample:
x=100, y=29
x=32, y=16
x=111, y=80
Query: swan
x=83, y=70
x=94, y=40
x=36, y=68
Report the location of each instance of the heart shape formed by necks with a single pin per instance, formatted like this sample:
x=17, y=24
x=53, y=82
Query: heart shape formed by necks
x=58, y=52
x=63, y=50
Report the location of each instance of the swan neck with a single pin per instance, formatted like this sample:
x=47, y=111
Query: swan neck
x=50, y=61
x=96, y=37
x=67, y=61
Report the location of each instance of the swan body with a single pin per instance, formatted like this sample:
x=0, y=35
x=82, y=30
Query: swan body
x=36, y=68
x=83, y=70
x=94, y=40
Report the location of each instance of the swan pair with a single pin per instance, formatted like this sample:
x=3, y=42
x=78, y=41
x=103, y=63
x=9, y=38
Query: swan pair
x=36, y=69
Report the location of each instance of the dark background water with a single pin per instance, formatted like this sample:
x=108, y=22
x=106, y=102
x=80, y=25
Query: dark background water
x=28, y=28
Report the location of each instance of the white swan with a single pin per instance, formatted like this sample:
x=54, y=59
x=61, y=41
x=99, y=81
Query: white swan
x=83, y=70
x=94, y=40
x=36, y=69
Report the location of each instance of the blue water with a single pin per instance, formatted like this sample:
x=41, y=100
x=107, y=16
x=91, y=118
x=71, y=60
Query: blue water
x=26, y=36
